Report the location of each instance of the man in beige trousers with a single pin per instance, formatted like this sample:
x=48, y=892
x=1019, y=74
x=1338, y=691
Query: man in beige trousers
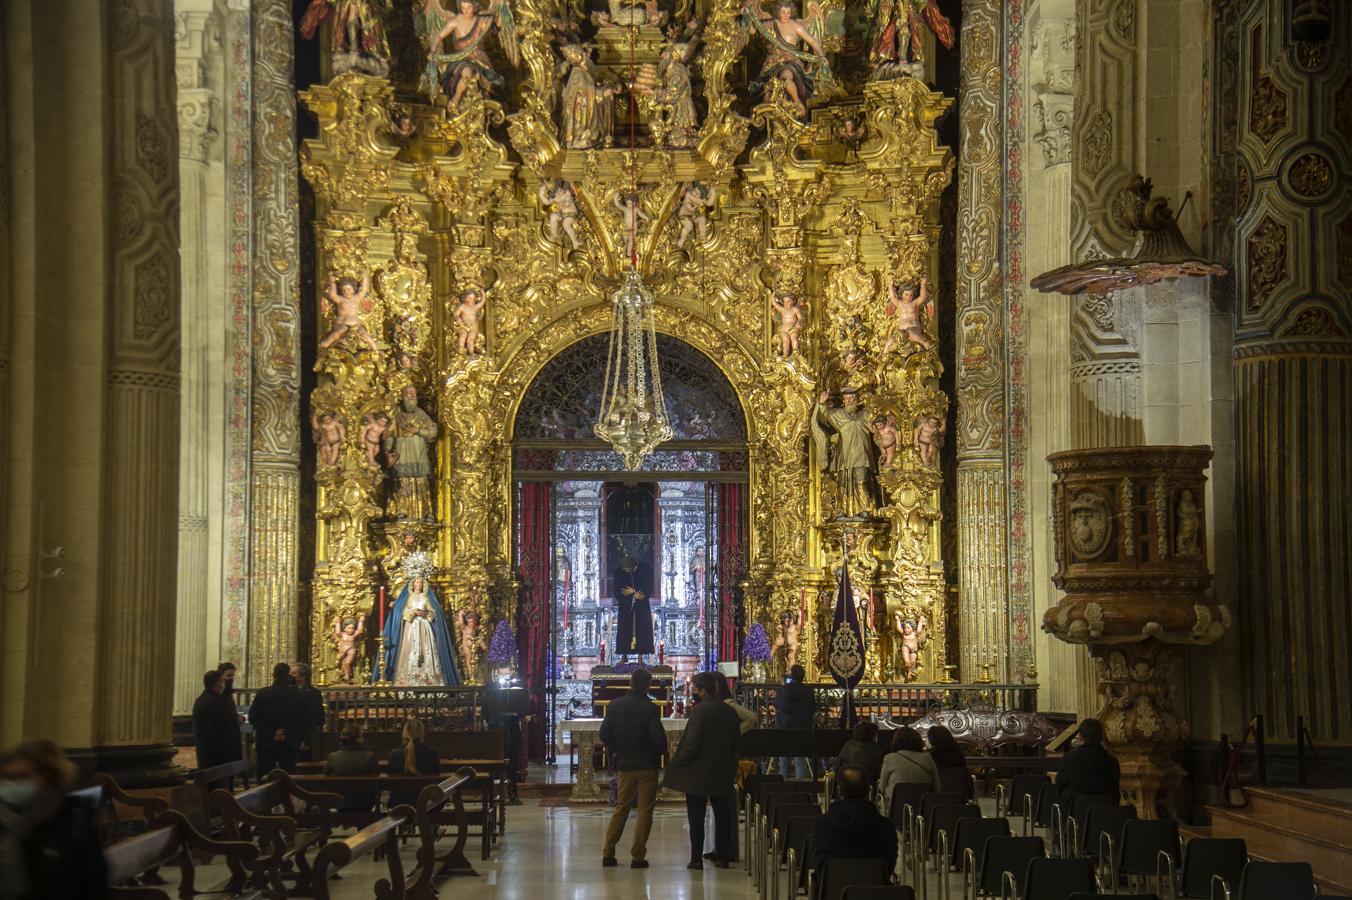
x=632, y=731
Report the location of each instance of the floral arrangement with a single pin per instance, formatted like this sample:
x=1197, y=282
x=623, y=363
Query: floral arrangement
x=757, y=646
x=502, y=649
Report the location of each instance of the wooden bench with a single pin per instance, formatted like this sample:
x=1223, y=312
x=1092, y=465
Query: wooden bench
x=249, y=816
x=430, y=813
x=381, y=784
x=207, y=780
x=173, y=840
x=379, y=835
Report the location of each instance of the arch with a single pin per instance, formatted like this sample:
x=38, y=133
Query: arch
x=561, y=402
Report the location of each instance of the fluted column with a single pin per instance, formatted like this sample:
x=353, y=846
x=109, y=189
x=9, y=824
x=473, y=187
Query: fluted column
x=275, y=462
x=1292, y=250
x=196, y=133
x=982, y=503
x=139, y=465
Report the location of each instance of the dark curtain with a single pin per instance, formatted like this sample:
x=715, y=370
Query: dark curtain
x=533, y=615
x=731, y=524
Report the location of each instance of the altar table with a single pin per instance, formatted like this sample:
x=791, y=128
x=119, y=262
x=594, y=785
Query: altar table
x=586, y=732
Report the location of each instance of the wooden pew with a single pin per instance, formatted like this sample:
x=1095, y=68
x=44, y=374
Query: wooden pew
x=107, y=794
x=249, y=816
x=380, y=835
x=208, y=780
x=429, y=813
x=173, y=840
x=381, y=784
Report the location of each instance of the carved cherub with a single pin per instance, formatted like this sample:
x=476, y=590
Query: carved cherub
x=472, y=641
x=467, y=320
x=696, y=199
x=913, y=637
x=329, y=435
x=344, y=637
x=888, y=439
x=789, y=309
x=557, y=196
x=377, y=426
x=631, y=214
x=929, y=438
x=788, y=638
x=906, y=306
x=349, y=300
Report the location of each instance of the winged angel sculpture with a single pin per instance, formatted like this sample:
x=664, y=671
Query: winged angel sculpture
x=456, y=46
x=800, y=72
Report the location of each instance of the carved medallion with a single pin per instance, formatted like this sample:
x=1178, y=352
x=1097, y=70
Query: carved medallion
x=1267, y=255
x=1088, y=524
x=1311, y=175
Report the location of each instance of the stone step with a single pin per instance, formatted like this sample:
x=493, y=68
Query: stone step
x=1276, y=832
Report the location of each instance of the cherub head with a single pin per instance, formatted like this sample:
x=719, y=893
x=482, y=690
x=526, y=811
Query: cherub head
x=468, y=7
x=405, y=361
x=785, y=10
x=879, y=423
x=348, y=287
x=908, y=627
x=469, y=296
x=790, y=300
x=326, y=418
x=907, y=293
x=349, y=627
x=786, y=618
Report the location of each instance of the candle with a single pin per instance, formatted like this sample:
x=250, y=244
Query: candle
x=870, y=607
x=382, y=607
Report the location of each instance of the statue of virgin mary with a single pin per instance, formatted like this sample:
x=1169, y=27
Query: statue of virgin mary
x=417, y=641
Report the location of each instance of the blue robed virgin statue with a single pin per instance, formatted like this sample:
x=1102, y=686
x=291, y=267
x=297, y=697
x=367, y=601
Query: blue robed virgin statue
x=417, y=641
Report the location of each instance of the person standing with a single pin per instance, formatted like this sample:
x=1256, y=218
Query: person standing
x=703, y=768
x=314, y=711
x=278, y=716
x=632, y=729
x=633, y=609
x=214, y=726
x=795, y=707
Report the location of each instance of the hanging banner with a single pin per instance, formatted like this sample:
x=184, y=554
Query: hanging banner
x=845, y=655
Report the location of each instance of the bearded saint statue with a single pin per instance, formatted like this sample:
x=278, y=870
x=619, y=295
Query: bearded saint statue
x=849, y=457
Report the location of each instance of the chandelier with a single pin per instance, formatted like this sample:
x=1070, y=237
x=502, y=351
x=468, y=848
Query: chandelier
x=633, y=416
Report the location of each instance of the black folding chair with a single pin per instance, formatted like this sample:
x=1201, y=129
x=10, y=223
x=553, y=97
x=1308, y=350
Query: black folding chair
x=956, y=780
x=968, y=842
x=1103, y=830
x=840, y=873
x=1052, y=879
x=1073, y=820
x=879, y=892
x=982, y=873
x=798, y=833
x=1269, y=880
x=1023, y=794
x=1204, y=860
x=1138, y=850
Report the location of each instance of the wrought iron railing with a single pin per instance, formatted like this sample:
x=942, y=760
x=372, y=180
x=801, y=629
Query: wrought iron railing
x=387, y=708
x=898, y=703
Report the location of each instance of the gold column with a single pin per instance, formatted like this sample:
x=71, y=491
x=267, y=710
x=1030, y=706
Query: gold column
x=275, y=463
x=1293, y=361
x=982, y=564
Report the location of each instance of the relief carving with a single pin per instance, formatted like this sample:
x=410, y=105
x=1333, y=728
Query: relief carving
x=1311, y=175
x=1267, y=260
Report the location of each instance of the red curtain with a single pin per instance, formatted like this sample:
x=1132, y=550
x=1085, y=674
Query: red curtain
x=731, y=525
x=533, y=606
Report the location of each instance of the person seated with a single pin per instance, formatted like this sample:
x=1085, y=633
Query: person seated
x=351, y=758
x=862, y=750
x=948, y=757
x=852, y=827
x=1089, y=768
x=50, y=840
x=908, y=763
x=413, y=758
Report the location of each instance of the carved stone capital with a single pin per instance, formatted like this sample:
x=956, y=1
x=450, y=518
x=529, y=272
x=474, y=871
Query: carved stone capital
x=195, y=134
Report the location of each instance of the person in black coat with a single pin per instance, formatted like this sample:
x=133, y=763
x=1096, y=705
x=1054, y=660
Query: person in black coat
x=704, y=767
x=632, y=730
x=214, y=726
x=314, y=710
x=852, y=827
x=278, y=716
x=795, y=707
x=862, y=750
x=49, y=841
x=1089, y=768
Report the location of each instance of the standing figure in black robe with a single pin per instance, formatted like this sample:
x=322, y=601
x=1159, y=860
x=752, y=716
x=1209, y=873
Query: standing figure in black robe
x=633, y=587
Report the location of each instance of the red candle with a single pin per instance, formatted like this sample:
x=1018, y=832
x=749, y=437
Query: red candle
x=382, y=607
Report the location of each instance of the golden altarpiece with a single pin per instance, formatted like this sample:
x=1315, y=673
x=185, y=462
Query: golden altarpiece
x=466, y=235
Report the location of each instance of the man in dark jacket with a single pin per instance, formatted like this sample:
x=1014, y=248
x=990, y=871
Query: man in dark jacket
x=633, y=731
x=314, y=711
x=215, y=731
x=862, y=750
x=278, y=716
x=795, y=707
x=1088, y=769
x=704, y=768
x=852, y=827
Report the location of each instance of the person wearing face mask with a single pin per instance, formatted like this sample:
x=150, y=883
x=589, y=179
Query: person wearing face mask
x=704, y=767
x=278, y=715
x=49, y=845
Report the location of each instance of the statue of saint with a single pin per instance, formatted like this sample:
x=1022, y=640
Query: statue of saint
x=417, y=642
x=586, y=108
x=799, y=71
x=358, y=33
x=408, y=450
x=850, y=457
x=633, y=588
x=467, y=57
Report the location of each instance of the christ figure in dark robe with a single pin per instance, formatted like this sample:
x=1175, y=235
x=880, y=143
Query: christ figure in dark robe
x=633, y=588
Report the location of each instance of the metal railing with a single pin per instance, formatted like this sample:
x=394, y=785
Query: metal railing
x=387, y=708
x=893, y=702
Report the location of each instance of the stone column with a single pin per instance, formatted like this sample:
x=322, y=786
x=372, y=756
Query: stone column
x=275, y=463
x=982, y=502
x=1292, y=250
x=196, y=133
